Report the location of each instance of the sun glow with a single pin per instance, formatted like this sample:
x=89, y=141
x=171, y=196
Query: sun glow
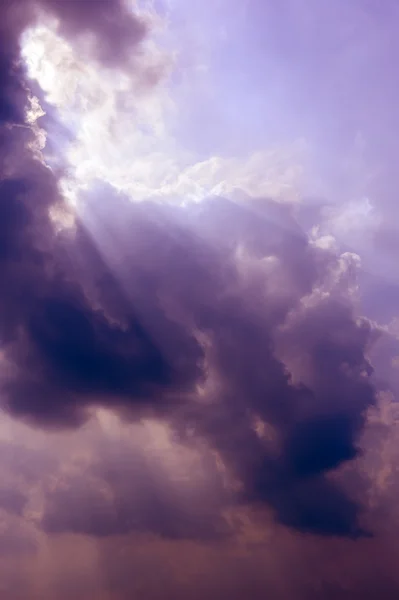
x=121, y=132
x=117, y=126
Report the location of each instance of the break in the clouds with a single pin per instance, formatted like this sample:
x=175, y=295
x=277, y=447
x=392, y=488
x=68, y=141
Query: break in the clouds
x=179, y=369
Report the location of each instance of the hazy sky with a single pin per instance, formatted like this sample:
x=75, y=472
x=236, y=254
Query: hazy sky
x=199, y=309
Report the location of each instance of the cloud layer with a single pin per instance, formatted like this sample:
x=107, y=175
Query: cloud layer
x=224, y=324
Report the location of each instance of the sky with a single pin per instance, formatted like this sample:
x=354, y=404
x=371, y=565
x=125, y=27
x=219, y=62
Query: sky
x=199, y=322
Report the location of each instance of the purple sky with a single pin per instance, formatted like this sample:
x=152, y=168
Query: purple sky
x=199, y=312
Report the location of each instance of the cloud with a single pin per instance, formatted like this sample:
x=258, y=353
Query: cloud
x=128, y=486
x=122, y=133
x=116, y=30
x=191, y=303
x=223, y=324
x=108, y=31
x=210, y=317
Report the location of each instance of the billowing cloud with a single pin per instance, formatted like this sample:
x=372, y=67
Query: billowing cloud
x=108, y=29
x=223, y=323
x=115, y=28
x=192, y=306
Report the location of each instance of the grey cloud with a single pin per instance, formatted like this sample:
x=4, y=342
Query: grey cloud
x=177, y=312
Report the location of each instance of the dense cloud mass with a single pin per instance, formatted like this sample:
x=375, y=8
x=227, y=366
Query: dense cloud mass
x=171, y=321
x=224, y=321
x=180, y=313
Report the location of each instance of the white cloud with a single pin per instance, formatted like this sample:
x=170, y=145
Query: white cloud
x=123, y=131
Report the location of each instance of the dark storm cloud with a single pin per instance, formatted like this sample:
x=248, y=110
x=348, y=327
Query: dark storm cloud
x=172, y=279
x=181, y=309
x=196, y=315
